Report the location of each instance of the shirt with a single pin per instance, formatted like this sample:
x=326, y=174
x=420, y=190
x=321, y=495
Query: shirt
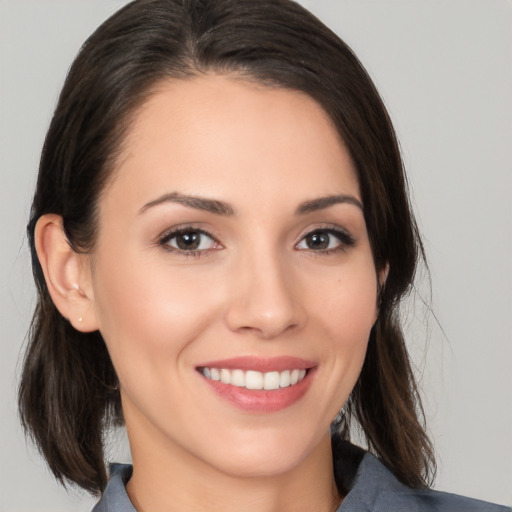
x=367, y=484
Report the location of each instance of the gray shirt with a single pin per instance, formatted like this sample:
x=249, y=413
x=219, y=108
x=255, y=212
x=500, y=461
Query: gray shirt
x=367, y=484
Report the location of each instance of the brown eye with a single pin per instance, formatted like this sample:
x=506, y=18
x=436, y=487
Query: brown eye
x=189, y=240
x=318, y=241
x=326, y=240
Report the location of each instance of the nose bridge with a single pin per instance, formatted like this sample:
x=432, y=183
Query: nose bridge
x=264, y=299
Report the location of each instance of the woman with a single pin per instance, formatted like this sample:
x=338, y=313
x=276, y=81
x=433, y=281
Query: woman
x=221, y=238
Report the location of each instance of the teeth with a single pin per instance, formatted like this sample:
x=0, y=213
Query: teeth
x=225, y=376
x=255, y=380
x=238, y=378
x=271, y=380
x=284, y=379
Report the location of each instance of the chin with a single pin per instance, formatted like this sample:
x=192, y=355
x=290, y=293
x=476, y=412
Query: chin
x=262, y=455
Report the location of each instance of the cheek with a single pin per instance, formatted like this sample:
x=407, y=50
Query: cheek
x=348, y=303
x=347, y=309
x=148, y=312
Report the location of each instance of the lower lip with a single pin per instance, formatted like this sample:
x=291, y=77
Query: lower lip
x=262, y=400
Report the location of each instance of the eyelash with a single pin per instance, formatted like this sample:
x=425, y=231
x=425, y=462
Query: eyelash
x=166, y=238
x=345, y=239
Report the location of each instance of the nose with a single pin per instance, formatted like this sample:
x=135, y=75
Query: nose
x=265, y=299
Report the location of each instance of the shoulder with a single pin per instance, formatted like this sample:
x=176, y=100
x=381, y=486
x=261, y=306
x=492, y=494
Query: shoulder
x=374, y=488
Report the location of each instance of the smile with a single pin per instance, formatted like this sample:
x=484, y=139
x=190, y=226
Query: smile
x=258, y=384
x=255, y=380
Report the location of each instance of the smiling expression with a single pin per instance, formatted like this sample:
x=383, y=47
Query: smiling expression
x=232, y=278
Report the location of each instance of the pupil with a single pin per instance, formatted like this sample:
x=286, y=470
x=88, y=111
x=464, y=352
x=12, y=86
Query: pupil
x=318, y=241
x=188, y=241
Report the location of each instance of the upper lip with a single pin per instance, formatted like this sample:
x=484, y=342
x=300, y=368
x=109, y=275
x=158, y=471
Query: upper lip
x=261, y=364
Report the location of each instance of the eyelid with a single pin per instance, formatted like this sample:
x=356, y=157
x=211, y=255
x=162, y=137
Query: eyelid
x=336, y=228
x=346, y=239
x=169, y=234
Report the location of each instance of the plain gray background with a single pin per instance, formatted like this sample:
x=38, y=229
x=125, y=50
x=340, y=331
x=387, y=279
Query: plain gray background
x=444, y=69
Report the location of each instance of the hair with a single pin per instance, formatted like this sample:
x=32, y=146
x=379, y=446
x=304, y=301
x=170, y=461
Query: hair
x=68, y=394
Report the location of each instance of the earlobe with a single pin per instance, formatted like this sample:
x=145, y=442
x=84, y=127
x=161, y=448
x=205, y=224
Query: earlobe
x=66, y=273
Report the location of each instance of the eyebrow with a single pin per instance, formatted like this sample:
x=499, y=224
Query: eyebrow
x=199, y=203
x=325, y=202
x=222, y=208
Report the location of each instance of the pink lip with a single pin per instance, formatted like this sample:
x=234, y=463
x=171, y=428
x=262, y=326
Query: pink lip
x=261, y=401
x=261, y=364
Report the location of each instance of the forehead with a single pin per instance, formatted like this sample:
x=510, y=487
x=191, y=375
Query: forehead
x=217, y=135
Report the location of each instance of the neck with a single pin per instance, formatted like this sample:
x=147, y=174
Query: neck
x=172, y=479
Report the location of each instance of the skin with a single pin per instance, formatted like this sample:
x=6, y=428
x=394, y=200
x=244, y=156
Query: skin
x=256, y=289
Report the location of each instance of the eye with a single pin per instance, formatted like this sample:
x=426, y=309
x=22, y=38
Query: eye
x=189, y=240
x=326, y=240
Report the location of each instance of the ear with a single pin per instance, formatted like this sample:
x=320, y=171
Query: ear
x=382, y=276
x=66, y=272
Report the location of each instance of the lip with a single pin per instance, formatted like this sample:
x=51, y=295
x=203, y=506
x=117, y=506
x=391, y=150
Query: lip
x=261, y=364
x=261, y=401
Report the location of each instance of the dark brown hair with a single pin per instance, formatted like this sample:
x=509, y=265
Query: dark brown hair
x=68, y=393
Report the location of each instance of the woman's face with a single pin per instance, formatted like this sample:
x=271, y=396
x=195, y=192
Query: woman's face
x=232, y=245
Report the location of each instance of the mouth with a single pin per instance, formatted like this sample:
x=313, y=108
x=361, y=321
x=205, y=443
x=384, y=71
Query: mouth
x=255, y=380
x=258, y=384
